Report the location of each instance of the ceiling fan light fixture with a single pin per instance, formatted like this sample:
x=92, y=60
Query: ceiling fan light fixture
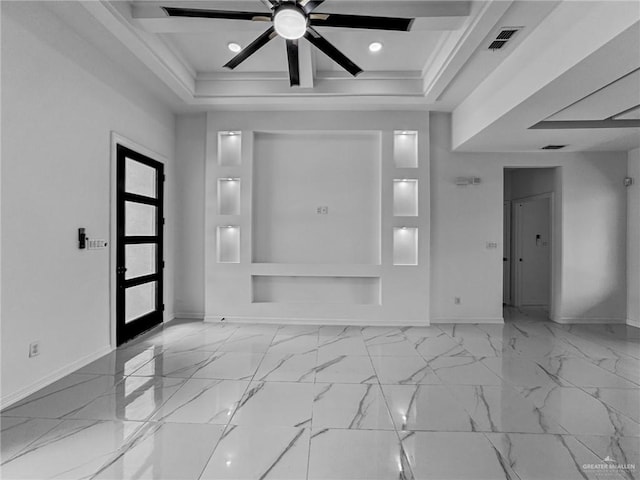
x=290, y=22
x=234, y=47
x=375, y=47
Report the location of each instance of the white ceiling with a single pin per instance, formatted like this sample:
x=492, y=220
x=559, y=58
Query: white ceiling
x=604, y=103
x=441, y=63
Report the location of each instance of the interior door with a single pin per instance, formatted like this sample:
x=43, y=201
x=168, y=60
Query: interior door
x=533, y=244
x=139, y=261
x=506, y=254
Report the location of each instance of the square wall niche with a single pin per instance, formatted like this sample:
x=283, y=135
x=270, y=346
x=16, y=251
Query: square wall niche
x=229, y=148
x=316, y=198
x=405, y=198
x=228, y=244
x=405, y=148
x=405, y=246
x=228, y=196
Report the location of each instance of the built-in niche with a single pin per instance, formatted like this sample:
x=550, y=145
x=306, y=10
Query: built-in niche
x=229, y=148
x=228, y=196
x=405, y=198
x=405, y=148
x=405, y=246
x=316, y=198
x=316, y=289
x=228, y=244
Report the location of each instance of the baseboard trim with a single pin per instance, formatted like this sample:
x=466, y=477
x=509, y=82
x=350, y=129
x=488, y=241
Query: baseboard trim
x=11, y=398
x=461, y=321
x=313, y=321
x=188, y=316
x=587, y=320
x=634, y=322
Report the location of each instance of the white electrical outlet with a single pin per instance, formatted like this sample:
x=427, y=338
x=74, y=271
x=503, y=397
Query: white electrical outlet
x=456, y=300
x=34, y=349
x=96, y=244
x=323, y=210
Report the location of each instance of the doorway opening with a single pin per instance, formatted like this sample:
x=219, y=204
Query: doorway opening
x=529, y=233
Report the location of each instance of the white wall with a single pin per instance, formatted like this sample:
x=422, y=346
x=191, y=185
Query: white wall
x=590, y=269
x=633, y=240
x=63, y=98
x=190, y=155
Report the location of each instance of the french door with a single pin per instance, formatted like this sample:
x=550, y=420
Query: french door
x=139, y=257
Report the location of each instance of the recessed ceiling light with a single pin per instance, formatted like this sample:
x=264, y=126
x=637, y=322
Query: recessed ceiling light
x=375, y=47
x=234, y=47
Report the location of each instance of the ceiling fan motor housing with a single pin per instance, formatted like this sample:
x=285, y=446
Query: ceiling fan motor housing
x=290, y=21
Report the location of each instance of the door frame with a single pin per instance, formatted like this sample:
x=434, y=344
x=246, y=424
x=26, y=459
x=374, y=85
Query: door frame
x=516, y=289
x=117, y=139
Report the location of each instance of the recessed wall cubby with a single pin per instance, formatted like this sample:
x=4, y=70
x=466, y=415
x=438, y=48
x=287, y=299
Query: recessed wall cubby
x=314, y=289
x=228, y=244
x=229, y=148
x=405, y=149
x=228, y=196
x=299, y=175
x=405, y=198
x=405, y=246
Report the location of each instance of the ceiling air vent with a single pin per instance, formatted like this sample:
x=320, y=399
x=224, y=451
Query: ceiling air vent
x=503, y=37
x=553, y=147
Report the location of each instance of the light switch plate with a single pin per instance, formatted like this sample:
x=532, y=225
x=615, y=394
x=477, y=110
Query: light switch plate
x=96, y=244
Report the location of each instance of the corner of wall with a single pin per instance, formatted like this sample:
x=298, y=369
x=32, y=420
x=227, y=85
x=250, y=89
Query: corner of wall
x=633, y=239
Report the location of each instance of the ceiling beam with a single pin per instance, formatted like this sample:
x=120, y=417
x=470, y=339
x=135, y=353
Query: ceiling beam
x=552, y=68
x=307, y=64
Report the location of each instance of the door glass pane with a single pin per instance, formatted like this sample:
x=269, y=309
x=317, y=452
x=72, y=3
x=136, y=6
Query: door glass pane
x=140, y=219
x=140, y=260
x=140, y=179
x=140, y=300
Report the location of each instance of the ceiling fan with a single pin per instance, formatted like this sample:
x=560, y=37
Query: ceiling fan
x=292, y=20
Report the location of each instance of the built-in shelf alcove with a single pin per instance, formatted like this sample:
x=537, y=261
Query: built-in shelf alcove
x=405, y=197
x=229, y=148
x=229, y=196
x=405, y=148
x=405, y=246
x=315, y=289
x=228, y=244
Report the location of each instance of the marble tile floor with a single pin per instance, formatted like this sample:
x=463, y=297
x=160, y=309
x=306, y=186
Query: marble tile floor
x=529, y=399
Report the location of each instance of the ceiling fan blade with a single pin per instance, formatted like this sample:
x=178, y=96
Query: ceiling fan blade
x=361, y=21
x=310, y=5
x=269, y=4
x=252, y=48
x=294, y=63
x=331, y=51
x=225, y=14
